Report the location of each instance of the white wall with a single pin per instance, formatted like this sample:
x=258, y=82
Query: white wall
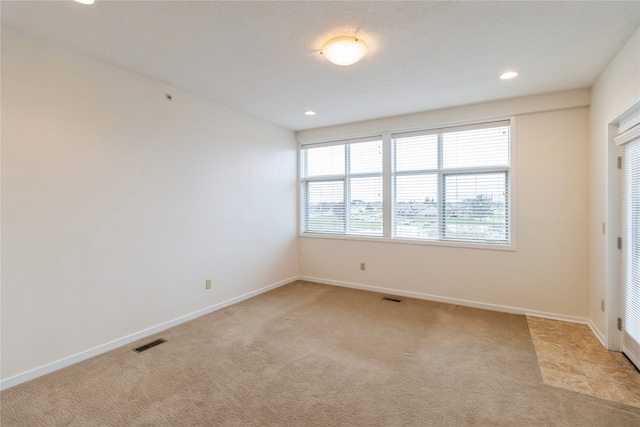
x=615, y=91
x=547, y=273
x=117, y=205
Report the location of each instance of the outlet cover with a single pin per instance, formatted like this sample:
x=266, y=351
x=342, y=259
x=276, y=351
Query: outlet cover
x=207, y=284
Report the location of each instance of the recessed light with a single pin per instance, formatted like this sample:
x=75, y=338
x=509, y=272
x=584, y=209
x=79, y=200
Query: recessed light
x=509, y=75
x=310, y=113
x=85, y=1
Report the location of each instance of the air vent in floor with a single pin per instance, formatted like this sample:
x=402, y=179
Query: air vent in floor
x=391, y=299
x=150, y=345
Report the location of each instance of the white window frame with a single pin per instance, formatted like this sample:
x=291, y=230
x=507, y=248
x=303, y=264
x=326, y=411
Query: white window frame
x=387, y=178
x=345, y=178
x=442, y=173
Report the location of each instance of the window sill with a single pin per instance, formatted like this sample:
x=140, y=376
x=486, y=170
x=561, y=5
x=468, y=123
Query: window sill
x=447, y=243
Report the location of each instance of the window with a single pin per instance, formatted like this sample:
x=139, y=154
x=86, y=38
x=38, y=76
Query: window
x=342, y=188
x=442, y=185
x=452, y=184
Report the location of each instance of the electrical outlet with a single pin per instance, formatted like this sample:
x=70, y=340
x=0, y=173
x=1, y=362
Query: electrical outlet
x=602, y=304
x=604, y=228
x=363, y=266
x=207, y=284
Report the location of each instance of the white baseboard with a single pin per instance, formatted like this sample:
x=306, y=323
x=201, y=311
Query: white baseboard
x=95, y=351
x=447, y=300
x=598, y=334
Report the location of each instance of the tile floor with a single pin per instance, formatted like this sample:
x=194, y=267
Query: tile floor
x=571, y=357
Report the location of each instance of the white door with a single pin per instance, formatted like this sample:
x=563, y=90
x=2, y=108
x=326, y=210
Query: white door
x=630, y=244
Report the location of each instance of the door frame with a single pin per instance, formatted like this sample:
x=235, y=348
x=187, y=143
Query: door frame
x=614, y=291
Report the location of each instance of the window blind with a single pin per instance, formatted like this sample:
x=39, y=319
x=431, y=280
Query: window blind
x=452, y=184
x=448, y=184
x=341, y=186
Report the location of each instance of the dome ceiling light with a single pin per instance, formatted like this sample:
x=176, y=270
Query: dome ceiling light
x=344, y=50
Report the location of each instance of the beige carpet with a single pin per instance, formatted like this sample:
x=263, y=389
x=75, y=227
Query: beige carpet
x=315, y=355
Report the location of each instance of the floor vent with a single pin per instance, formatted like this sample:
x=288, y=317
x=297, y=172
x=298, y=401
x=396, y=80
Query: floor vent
x=150, y=345
x=391, y=299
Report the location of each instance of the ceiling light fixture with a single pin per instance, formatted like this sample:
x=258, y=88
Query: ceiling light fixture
x=344, y=50
x=310, y=113
x=509, y=75
x=85, y=1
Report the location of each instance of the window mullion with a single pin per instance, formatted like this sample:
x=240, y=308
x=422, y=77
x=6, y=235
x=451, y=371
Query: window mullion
x=305, y=209
x=305, y=156
x=441, y=194
x=347, y=189
x=507, y=206
x=304, y=190
x=387, y=164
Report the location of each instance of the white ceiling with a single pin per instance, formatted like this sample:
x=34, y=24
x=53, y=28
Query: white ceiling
x=263, y=57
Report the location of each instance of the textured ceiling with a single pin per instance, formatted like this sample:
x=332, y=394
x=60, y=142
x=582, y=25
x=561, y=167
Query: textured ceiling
x=262, y=57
